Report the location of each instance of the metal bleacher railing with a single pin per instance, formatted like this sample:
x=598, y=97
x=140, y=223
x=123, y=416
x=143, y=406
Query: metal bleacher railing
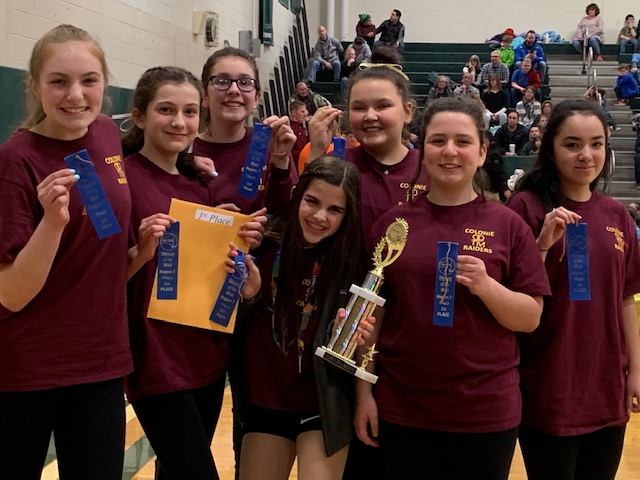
x=289, y=69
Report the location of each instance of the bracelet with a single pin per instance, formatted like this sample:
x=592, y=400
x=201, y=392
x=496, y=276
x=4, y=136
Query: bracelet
x=284, y=154
x=541, y=250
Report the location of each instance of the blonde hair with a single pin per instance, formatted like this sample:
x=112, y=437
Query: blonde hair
x=39, y=55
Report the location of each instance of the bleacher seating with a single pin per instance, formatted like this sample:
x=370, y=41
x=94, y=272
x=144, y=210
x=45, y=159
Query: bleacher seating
x=421, y=62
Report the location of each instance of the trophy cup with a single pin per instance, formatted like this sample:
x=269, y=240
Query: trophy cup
x=362, y=303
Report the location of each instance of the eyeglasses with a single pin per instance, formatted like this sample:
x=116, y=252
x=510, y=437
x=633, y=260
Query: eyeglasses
x=223, y=83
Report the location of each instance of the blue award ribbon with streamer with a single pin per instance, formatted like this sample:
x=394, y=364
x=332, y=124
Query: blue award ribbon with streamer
x=256, y=159
x=167, y=271
x=93, y=195
x=230, y=292
x=578, y=262
x=445, y=293
x=339, y=148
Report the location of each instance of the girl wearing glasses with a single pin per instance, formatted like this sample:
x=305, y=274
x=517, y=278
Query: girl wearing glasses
x=232, y=90
x=298, y=405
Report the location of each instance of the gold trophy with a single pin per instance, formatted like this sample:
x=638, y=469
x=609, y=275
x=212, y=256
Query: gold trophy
x=363, y=302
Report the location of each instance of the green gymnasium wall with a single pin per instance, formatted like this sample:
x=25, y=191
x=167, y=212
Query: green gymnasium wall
x=12, y=100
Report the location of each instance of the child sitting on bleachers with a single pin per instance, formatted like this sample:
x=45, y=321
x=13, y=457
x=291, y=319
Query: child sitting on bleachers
x=507, y=54
x=626, y=85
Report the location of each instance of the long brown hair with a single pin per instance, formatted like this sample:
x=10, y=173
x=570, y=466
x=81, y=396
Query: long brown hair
x=342, y=253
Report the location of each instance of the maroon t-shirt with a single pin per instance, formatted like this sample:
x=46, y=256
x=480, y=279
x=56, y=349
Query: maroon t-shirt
x=385, y=186
x=74, y=331
x=462, y=378
x=274, y=379
x=574, y=365
x=167, y=357
x=302, y=138
x=229, y=160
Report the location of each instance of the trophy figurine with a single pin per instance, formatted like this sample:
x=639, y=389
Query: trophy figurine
x=363, y=301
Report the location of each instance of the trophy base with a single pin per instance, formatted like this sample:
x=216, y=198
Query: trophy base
x=346, y=364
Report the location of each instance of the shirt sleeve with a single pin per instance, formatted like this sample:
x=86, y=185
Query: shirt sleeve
x=20, y=210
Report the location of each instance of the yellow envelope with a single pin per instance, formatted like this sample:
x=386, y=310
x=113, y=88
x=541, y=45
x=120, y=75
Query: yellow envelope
x=205, y=233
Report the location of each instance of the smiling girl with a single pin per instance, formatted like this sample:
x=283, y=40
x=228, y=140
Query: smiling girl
x=380, y=107
x=63, y=333
x=231, y=92
x=580, y=371
x=299, y=405
x=443, y=390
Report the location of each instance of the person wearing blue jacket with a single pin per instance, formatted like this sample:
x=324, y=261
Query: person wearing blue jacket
x=531, y=49
x=626, y=86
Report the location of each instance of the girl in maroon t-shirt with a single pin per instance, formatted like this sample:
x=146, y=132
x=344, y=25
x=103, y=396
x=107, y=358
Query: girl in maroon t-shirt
x=299, y=405
x=380, y=107
x=63, y=332
x=232, y=89
x=178, y=369
x=379, y=102
x=447, y=392
x=580, y=370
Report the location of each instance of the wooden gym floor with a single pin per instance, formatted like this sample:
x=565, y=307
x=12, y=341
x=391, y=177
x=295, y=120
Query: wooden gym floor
x=139, y=457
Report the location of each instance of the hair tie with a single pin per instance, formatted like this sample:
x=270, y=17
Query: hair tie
x=391, y=66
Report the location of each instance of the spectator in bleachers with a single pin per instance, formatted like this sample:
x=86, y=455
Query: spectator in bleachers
x=326, y=55
x=497, y=38
x=440, y=89
x=532, y=50
x=635, y=60
x=547, y=106
x=522, y=78
x=637, y=158
x=626, y=85
x=511, y=133
x=386, y=54
x=473, y=66
x=366, y=29
x=627, y=35
x=348, y=66
x=391, y=32
x=466, y=88
x=528, y=108
x=312, y=100
x=507, y=54
x=363, y=52
x=494, y=168
x=495, y=66
x=533, y=145
x=298, y=120
x=594, y=26
x=495, y=101
x=541, y=122
x=598, y=96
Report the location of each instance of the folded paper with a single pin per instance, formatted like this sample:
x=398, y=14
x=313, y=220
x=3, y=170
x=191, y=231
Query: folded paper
x=205, y=233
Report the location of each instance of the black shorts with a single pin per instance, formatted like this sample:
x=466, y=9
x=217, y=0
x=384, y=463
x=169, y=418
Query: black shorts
x=283, y=424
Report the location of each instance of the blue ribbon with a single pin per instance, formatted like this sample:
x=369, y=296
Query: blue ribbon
x=167, y=271
x=256, y=159
x=578, y=262
x=93, y=195
x=339, y=148
x=445, y=293
x=230, y=292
